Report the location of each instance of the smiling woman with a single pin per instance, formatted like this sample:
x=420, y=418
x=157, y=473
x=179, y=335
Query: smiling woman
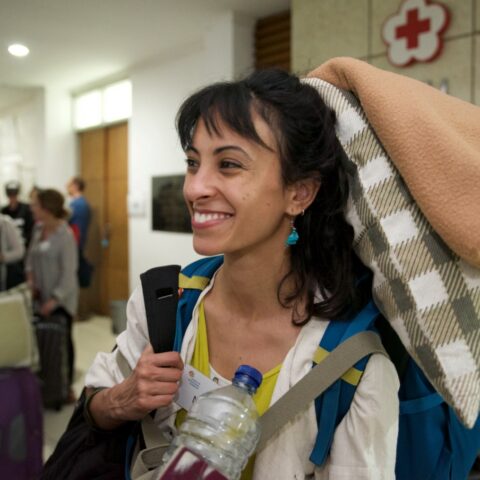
x=270, y=141
x=266, y=188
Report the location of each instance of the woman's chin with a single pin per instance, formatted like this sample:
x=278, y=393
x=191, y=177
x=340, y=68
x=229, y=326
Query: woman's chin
x=207, y=249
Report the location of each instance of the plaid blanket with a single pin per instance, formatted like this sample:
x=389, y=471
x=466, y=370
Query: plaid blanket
x=428, y=293
x=434, y=141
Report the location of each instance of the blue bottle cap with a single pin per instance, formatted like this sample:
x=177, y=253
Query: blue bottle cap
x=250, y=375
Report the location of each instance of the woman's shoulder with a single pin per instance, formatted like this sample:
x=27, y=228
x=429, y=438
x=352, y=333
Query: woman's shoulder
x=36, y=232
x=64, y=230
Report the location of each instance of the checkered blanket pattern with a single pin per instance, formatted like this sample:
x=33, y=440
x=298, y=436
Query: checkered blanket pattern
x=428, y=294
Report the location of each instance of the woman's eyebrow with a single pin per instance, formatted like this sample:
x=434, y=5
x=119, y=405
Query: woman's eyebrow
x=191, y=148
x=231, y=147
x=221, y=149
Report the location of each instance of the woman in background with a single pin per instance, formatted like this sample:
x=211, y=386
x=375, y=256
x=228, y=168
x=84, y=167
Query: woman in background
x=52, y=262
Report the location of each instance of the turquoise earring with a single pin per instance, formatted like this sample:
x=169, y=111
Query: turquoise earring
x=293, y=237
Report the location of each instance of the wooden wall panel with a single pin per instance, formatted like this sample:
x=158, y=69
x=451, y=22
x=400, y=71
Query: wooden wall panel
x=272, y=42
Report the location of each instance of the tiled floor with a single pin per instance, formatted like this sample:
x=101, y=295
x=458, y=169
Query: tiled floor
x=90, y=336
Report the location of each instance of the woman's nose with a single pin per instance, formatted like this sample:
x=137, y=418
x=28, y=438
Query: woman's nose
x=200, y=184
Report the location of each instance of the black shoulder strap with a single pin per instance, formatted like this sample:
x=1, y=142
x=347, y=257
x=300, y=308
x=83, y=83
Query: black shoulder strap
x=160, y=294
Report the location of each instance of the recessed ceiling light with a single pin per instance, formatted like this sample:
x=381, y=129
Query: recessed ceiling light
x=18, y=50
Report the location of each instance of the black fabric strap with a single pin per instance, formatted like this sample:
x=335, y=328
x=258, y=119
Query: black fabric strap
x=86, y=408
x=160, y=294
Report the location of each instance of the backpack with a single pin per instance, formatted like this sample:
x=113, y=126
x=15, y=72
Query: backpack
x=432, y=442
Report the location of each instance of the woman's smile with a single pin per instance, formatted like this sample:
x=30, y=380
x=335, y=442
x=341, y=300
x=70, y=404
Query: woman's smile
x=204, y=219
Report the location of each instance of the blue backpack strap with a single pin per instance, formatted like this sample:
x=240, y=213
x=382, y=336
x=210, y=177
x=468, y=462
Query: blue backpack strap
x=331, y=407
x=192, y=280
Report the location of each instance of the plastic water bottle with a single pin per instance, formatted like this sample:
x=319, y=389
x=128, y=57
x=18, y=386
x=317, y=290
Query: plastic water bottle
x=222, y=426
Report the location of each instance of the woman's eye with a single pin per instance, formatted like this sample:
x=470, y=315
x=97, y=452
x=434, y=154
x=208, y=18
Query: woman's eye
x=191, y=163
x=227, y=164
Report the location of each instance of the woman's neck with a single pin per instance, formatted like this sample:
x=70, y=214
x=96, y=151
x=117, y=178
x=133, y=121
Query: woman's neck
x=249, y=283
x=50, y=225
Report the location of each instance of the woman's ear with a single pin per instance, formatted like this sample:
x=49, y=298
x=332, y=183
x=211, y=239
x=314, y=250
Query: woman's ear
x=302, y=194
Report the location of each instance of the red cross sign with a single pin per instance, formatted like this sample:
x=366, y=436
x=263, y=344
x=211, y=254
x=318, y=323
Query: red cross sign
x=414, y=33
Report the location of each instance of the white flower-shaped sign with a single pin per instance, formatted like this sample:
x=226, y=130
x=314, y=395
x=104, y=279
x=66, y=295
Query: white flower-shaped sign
x=414, y=33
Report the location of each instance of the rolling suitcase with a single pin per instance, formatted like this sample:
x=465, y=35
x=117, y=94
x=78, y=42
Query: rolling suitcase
x=21, y=431
x=52, y=337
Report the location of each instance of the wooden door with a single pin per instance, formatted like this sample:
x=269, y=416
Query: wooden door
x=104, y=166
x=116, y=226
x=92, y=169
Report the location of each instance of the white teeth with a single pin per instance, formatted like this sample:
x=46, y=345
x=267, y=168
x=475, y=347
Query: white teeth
x=207, y=217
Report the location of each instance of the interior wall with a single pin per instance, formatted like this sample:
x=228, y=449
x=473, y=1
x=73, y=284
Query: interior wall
x=42, y=146
x=243, y=45
x=331, y=28
x=59, y=162
x=157, y=92
x=21, y=141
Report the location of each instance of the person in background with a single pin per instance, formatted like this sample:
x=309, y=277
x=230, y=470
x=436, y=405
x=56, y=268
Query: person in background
x=12, y=249
x=80, y=216
x=79, y=222
x=32, y=195
x=265, y=186
x=52, y=262
x=22, y=217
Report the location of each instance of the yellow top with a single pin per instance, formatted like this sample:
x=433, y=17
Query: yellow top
x=200, y=360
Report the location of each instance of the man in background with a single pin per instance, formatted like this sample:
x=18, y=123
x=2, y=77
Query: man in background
x=80, y=218
x=22, y=217
x=79, y=222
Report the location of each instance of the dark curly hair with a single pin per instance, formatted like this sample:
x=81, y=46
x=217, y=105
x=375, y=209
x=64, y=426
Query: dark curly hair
x=304, y=128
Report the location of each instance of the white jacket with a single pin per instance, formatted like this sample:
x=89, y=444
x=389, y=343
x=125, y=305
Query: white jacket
x=12, y=248
x=364, y=443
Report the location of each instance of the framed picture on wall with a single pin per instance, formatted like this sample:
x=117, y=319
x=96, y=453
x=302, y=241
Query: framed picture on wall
x=169, y=212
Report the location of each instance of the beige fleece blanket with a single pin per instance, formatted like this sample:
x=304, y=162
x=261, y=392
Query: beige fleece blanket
x=431, y=137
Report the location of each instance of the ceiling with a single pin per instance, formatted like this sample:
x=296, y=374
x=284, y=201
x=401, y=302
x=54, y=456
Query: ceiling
x=76, y=42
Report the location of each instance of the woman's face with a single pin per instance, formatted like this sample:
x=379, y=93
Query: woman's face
x=39, y=213
x=234, y=192
x=36, y=209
